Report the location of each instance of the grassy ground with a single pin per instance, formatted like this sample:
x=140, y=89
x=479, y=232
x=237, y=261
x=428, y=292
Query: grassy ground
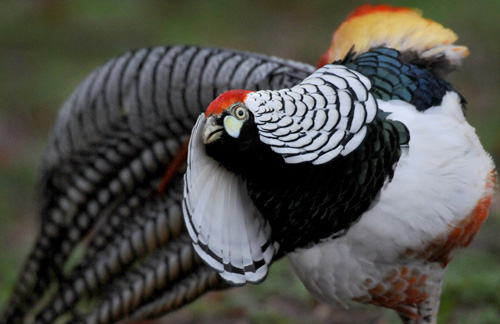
x=47, y=48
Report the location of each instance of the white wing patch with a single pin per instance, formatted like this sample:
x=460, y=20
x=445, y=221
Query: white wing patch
x=321, y=118
x=228, y=232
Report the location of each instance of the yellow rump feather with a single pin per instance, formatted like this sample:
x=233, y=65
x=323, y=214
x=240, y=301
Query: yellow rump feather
x=400, y=28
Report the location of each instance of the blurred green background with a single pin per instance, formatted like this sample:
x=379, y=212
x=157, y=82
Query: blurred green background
x=48, y=47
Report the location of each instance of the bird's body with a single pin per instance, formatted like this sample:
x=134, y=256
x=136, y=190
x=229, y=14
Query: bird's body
x=366, y=174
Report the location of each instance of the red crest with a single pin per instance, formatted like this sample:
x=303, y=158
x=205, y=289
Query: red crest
x=225, y=100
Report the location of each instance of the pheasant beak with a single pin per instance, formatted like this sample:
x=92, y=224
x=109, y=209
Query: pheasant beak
x=212, y=131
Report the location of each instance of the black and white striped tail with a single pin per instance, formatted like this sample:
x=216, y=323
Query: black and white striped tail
x=112, y=141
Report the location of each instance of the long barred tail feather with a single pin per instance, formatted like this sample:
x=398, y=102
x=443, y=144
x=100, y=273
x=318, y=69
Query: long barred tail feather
x=183, y=292
x=112, y=141
x=153, y=226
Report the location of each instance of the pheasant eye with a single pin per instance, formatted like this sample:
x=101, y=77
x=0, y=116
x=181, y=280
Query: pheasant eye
x=240, y=113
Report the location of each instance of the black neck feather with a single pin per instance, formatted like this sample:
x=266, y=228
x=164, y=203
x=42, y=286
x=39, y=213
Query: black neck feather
x=306, y=203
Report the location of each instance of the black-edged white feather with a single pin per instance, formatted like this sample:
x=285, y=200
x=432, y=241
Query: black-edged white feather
x=321, y=118
x=228, y=232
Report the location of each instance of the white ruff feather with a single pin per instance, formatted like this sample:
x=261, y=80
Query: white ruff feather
x=228, y=232
x=319, y=119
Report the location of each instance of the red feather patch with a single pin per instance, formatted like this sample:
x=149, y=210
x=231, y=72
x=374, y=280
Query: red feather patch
x=368, y=9
x=225, y=100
